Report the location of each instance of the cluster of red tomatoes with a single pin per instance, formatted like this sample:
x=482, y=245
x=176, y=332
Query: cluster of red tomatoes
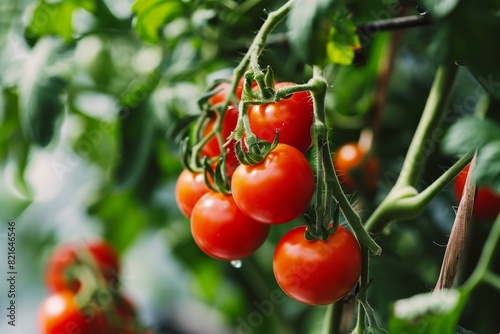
x=275, y=191
x=84, y=293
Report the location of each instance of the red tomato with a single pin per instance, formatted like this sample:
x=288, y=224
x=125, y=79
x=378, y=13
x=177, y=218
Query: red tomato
x=356, y=171
x=212, y=149
x=292, y=117
x=486, y=203
x=317, y=272
x=222, y=231
x=223, y=88
x=60, y=313
x=59, y=274
x=188, y=190
x=278, y=189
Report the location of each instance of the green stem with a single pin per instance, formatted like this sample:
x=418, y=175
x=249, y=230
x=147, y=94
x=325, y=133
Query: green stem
x=363, y=289
x=333, y=318
x=318, y=87
x=408, y=205
x=426, y=133
x=490, y=248
x=492, y=279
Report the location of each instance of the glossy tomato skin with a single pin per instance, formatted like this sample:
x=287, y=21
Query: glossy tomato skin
x=222, y=231
x=212, y=149
x=65, y=257
x=355, y=170
x=317, y=272
x=60, y=313
x=223, y=88
x=292, y=117
x=278, y=189
x=487, y=202
x=188, y=190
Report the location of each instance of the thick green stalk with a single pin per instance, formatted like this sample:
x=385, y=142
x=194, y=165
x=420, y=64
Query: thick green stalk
x=333, y=318
x=362, y=294
x=427, y=131
x=403, y=201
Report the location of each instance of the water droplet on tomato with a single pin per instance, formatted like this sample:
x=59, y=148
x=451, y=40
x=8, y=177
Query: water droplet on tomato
x=236, y=263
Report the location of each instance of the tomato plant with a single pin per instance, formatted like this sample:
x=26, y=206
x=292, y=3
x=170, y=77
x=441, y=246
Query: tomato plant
x=223, y=231
x=212, y=148
x=94, y=151
x=486, y=202
x=317, y=272
x=60, y=313
x=278, y=189
x=356, y=169
x=292, y=117
x=65, y=263
x=188, y=190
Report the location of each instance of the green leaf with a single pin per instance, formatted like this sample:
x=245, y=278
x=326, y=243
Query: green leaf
x=488, y=168
x=136, y=137
x=55, y=18
x=439, y=8
x=465, y=36
x=343, y=40
x=14, y=148
x=469, y=134
x=12, y=199
x=431, y=313
x=152, y=15
x=309, y=29
x=121, y=226
x=40, y=89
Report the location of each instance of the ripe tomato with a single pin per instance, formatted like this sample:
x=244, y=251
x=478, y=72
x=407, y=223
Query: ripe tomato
x=317, y=272
x=356, y=170
x=188, y=190
x=223, y=89
x=292, y=117
x=212, y=149
x=278, y=189
x=222, y=231
x=60, y=313
x=59, y=274
x=487, y=202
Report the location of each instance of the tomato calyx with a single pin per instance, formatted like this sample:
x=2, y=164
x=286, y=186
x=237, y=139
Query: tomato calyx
x=257, y=149
x=217, y=179
x=321, y=228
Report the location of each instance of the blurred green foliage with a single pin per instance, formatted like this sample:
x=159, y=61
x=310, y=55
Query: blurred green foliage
x=90, y=89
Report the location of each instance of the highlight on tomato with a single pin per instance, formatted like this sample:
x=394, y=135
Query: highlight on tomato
x=486, y=203
x=222, y=230
x=356, y=169
x=276, y=190
x=61, y=313
x=292, y=117
x=317, y=272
